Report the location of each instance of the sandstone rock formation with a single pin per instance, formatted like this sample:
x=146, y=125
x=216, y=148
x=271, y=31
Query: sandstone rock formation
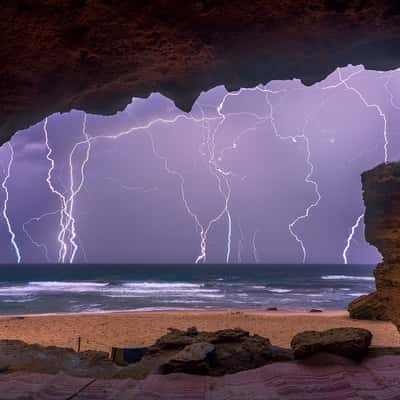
x=208, y=353
x=96, y=55
x=368, y=307
x=381, y=187
x=347, y=342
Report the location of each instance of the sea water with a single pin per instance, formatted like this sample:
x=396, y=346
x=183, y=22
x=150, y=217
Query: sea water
x=39, y=289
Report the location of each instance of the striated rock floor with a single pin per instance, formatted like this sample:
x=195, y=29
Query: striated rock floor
x=323, y=377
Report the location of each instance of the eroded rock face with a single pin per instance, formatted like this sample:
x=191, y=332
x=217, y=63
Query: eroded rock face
x=95, y=55
x=382, y=229
x=347, y=342
x=368, y=307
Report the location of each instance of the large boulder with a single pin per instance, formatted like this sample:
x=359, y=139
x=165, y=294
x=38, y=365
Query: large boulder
x=348, y=342
x=368, y=307
x=210, y=353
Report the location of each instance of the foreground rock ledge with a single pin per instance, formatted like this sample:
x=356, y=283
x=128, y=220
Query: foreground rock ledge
x=58, y=55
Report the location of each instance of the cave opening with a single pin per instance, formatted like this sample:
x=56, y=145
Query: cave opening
x=263, y=175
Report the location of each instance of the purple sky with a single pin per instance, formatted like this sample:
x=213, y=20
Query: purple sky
x=226, y=182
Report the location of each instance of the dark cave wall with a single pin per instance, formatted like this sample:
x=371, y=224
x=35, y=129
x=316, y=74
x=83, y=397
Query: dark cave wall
x=95, y=55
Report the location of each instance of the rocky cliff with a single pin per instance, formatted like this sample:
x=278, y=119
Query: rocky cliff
x=381, y=187
x=95, y=55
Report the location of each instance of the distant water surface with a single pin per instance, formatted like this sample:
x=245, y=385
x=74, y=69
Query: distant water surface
x=37, y=289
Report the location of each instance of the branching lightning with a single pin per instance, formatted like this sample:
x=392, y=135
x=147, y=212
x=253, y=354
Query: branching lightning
x=63, y=202
x=66, y=220
x=345, y=82
x=74, y=191
x=5, y=204
x=308, y=179
x=378, y=108
x=79, y=157
x=33, y=241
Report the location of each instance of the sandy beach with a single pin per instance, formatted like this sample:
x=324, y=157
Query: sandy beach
x=102, y=331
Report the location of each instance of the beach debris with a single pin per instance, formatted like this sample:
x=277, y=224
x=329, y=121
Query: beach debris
x=315, y=310
x=272, y=309
x=4, y=368
x=348, y=342
x=126, y=356
x=368, y=307
x=213, y=353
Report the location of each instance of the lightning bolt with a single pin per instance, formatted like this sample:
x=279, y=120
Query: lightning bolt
x=67, y=238
x=254, y=245
x=34, y=242
x=145, y=128
x=214, y=159
x=240, y=242
x=73, y=191
x=308, y=179
x=346, y=83
x=350, y=237
x=63, y=202
x=67, y=220
x=5, y=204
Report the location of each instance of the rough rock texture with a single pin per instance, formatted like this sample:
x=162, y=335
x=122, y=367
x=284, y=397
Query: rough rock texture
x=348, y=342
x=193, y=359
x=16, y=355
x=323, y=377
x=207, y=353
x=95, y=55
x=368, y=307
x=382, y=229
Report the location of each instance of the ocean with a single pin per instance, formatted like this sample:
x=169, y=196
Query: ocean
x=43, y=289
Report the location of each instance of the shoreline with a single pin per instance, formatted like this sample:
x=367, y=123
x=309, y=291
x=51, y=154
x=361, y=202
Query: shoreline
x=177, y=310
x=101, y=331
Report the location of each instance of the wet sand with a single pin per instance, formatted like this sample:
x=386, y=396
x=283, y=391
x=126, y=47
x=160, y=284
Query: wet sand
x=102, y=331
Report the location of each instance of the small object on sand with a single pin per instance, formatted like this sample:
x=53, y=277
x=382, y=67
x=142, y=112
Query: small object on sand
x=124, y=357
x=272, y=309
x=315, y=310
x=347, y=342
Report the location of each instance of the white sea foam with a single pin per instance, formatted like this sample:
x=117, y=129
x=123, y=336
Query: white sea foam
x=347, y=277
x=278, y=290
x=157, y=285
x=25, y=300
x=132, y=288
x=68, y=284
x=48, y=287
x=357, y=294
